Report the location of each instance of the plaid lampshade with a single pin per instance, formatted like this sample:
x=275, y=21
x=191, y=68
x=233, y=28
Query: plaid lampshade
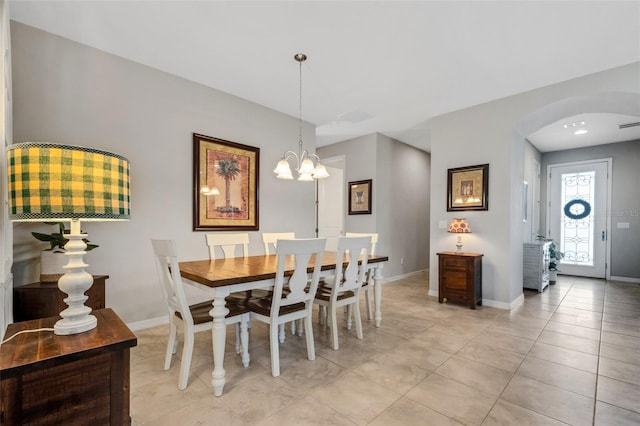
x=459, y=226
x=62, y=182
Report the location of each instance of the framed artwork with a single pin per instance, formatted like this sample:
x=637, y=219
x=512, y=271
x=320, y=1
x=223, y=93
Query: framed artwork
x=360, y=197
x=468, y=188
x=225, y=185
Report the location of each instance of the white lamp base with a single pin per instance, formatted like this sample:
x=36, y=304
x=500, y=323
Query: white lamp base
x=75, y=282
x=459, y=244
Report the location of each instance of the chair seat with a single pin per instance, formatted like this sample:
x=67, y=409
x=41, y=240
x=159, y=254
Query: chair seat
x=200, y=311
x=242, y=297
x=325, y=294
x=262, y=306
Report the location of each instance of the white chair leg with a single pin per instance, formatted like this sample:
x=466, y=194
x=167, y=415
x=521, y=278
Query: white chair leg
x=334, y=327
x=171, y=345
x=275, y=350
x=238, y=343
x=293, y=327
x=368, y=301
x=311, y=348
x=322, y=319
x=244, y=338
x=185, y=365
x=348, y=315
x=281, y=333
x=300, y=327
x=358, y=319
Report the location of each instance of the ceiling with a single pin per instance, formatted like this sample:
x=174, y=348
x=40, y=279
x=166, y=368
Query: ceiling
x=385, y=66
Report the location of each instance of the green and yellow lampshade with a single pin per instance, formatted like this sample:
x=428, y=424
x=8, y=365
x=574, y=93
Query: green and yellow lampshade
x=62, y=182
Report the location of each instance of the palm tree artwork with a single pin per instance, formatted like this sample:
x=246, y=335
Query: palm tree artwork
x=228, y=169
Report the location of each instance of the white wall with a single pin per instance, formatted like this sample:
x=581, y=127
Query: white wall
x=494, y=133
x=69, y=93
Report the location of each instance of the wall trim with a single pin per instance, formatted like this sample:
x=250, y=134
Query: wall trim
x=148, y=323
x=502, y=305
x=403, y=276
x=624, y=279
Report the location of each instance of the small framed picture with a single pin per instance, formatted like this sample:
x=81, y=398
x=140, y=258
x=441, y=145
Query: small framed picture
x=360, y=197
x=468, y=188
x=225, y=185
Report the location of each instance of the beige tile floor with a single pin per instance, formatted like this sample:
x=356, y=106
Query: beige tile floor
x=570, y=355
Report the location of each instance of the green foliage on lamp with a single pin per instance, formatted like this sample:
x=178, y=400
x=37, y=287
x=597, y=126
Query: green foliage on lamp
x=555, y=255
x=57, y=239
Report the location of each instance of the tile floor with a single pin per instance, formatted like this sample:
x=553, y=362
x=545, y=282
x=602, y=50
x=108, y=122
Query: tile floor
x=570, y=355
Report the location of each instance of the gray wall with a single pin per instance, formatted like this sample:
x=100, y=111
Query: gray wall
x=625, y=199
x=401, y=179
x=69, y=93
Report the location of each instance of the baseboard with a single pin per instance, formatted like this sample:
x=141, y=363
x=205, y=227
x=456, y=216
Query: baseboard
x=625, y=279
x=149, y=323
x=502, y=305
x=403, y=276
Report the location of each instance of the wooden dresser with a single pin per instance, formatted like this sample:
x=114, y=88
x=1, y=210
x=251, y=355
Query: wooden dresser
x=460, y=277
x=80, y=379
x=41, y=300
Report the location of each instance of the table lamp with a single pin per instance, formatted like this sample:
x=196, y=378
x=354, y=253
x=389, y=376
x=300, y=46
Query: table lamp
x=53, y=183
x=459, y=226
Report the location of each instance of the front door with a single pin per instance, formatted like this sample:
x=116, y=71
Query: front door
x=577, y=215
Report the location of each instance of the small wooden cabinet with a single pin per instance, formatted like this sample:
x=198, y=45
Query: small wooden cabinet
x=460, y=277
x=79, y=379
x=41, y=300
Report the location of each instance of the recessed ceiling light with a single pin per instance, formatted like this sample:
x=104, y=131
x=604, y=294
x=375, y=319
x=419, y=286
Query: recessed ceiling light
x=580, y=132
x=574, y=124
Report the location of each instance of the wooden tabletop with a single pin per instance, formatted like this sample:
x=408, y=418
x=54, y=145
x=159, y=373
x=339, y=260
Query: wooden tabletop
x=45, y=346
x=237, y=270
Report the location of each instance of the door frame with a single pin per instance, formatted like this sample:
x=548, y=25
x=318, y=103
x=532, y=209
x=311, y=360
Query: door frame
x=607, y=221
x=342, y=160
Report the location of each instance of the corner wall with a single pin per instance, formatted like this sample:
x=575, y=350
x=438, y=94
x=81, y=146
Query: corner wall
x=401, y=180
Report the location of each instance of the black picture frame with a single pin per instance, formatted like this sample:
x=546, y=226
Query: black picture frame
x=468, y=188
x=360, y=197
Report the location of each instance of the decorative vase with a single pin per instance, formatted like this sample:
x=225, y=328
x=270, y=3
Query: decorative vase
x=51, y=265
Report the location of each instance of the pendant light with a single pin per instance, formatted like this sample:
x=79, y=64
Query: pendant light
x=305, y=167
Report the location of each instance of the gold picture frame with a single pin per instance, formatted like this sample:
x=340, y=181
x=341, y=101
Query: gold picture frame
x=225, y=188
x=468, y=188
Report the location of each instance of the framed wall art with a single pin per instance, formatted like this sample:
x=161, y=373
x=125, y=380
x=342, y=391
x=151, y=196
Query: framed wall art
x=360, y=197
x=225, y=185
x=468, y=188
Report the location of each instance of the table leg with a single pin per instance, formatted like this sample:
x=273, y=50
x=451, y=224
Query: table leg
x=377, y=293
x=219, y=333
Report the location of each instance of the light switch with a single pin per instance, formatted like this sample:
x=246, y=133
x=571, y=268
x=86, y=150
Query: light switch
x=623, y=225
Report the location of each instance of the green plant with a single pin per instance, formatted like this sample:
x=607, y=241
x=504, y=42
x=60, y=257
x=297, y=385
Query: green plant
x=57, y=239
x=555, y=255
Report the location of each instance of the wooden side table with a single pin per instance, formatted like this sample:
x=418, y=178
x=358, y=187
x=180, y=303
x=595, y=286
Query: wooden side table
x=41, y=300
x=79, y=379
x=460, y=277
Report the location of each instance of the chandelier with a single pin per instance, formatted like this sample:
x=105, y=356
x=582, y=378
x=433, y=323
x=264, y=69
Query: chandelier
x=305, y=167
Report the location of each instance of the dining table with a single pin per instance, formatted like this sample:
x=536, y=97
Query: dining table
x=220, y=277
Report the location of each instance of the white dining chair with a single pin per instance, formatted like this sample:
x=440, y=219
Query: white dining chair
x=227, y=245
x=191, y=318
x=270, y=240
x=297, y=303
x=344, y=290
x=368, y=278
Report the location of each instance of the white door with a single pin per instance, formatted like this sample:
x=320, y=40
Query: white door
x=331, y=207
x=577, y=216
